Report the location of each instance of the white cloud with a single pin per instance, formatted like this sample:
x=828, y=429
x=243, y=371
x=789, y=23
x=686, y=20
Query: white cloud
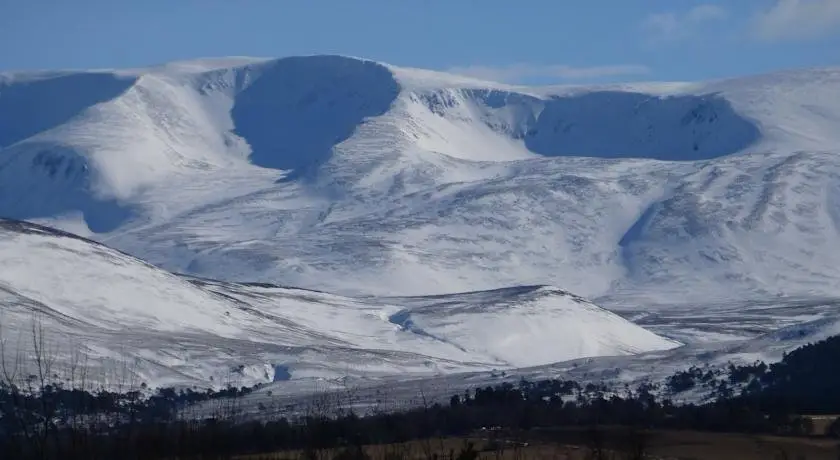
x=673, y=26
x=519, y=72
x=797, y=20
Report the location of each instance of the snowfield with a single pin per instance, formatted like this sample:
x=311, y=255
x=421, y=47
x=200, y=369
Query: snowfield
x=434, y=209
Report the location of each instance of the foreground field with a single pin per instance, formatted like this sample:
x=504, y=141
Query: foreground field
x=581, y=444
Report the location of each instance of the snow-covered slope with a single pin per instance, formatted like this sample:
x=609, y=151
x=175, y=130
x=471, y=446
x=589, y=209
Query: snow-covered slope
x=742, y=337
x=524, y=325
x=94, y=301
x=363, y=179
x=352, y=176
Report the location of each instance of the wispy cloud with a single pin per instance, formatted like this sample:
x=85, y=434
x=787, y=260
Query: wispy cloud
x=797, y=20
x=519, y=72
x=676, y=26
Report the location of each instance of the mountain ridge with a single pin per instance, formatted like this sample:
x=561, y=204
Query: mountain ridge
x=337, y=168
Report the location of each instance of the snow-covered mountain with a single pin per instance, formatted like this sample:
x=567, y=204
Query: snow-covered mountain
x=363, y=179
x=356, y=177
x=119, y=312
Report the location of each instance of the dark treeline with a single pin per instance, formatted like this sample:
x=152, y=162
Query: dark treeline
x=45, y=420
x=806, y=381
x=54, y=422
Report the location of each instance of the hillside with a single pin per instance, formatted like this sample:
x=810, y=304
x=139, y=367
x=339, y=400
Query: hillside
x=356, y=177
x=704, y=212
x=120, y=314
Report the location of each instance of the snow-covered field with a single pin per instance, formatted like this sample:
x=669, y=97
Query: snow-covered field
x=430, y=212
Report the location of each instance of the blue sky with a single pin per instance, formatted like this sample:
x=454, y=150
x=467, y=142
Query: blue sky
x=526, y=41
